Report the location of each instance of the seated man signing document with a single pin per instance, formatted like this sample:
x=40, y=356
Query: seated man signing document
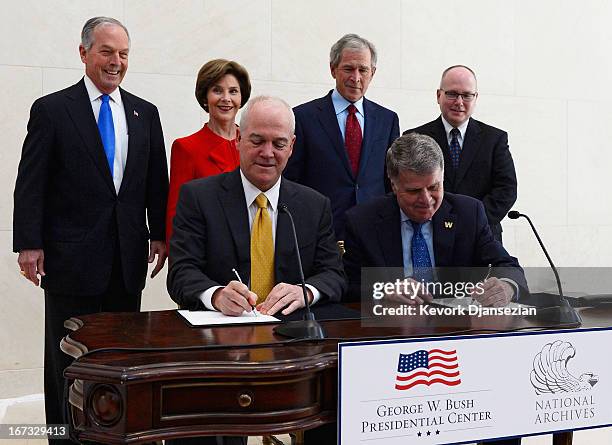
x=237, y=221
x=419, y=227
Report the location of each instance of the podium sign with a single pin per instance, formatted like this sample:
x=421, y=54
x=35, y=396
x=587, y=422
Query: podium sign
x=461, y=389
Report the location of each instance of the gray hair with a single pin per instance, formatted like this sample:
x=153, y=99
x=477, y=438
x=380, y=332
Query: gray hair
x=244, y=116
x=418, y=153
x=92, y=24
x=458, y=66
x=351, y=42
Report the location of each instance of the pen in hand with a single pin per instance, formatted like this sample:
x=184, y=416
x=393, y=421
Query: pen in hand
x=474, y=301
x=240, y=280
x=488, y=272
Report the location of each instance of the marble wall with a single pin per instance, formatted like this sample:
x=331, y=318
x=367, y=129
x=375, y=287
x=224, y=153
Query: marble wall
x=543, y=69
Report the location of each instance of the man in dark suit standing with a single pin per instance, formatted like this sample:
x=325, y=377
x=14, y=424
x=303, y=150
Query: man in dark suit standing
x=92, y=172
x=419, y=227
x=477, y=158
x=342, y=138
x=237, y=221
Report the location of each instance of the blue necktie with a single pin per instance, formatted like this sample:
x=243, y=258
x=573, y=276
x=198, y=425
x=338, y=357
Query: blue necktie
x=107, y=131
x=421, y=263
x=455, y=148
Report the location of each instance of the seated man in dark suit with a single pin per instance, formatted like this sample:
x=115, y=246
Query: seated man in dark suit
x=477, y=157
x=342, y=138
x=235, y=221
x=420, y=226
x=221, y=225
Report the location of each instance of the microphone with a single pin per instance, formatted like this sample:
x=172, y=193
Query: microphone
x=308, y=327
x=566, y=311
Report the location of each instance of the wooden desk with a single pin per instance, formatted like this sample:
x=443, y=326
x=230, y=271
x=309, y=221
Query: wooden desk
x=179, y=381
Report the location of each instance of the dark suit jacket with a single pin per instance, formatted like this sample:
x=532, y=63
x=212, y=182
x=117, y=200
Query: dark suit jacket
x=211, y=236
x=65, y=200
x=486, y=170
x=461, y=238
x=319, y=159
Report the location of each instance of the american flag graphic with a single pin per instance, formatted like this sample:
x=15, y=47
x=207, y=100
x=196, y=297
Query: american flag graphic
x=426, y=368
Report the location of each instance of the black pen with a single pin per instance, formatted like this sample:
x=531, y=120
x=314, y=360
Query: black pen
x=240, y=279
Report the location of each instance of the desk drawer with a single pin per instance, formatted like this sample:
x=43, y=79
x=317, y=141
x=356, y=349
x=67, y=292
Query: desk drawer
x=244, y=401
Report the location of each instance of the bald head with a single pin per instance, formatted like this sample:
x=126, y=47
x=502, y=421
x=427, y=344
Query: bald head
x=464, y=70
x=266, y=138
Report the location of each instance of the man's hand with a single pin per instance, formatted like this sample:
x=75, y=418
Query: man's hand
x=234, y=299
x=32, y=263
x=410, y=296
x=157, y=248
x=283, y=295
x=497, y=293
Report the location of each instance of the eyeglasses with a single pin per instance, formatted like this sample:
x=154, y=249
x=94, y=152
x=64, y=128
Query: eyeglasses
x=453, y=95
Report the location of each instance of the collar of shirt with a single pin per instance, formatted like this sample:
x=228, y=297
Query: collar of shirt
x=341, y=104
x=251, y=192
x=462, y=129
x=94, y=93
x=340, y=107
x=407, y=232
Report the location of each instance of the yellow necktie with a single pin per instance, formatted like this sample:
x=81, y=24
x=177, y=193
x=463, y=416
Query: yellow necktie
x=262, y=251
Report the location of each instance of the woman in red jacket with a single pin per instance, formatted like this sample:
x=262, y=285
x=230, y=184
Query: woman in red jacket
x=222, y=87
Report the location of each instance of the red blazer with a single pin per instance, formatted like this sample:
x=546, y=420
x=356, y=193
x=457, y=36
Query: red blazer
x=202, y=154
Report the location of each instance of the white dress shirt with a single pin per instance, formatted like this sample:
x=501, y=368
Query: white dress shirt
x=120, y=124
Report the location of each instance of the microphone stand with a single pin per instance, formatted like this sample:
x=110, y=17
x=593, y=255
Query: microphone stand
x=566, y=313
x=308, y=327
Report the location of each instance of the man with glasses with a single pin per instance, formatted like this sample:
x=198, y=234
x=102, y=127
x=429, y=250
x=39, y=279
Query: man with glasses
x=477, y=158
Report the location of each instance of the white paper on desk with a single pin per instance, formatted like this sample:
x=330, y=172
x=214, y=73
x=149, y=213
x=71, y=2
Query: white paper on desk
x=465, y=302
x=214, y=318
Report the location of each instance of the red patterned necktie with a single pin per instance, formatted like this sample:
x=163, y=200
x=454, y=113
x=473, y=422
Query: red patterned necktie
x=352, y=139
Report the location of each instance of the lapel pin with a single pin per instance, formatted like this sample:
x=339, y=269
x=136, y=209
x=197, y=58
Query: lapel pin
x=135, y=113
x=448, y=224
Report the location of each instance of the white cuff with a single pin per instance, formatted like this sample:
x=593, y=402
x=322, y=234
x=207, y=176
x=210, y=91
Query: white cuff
x=515, y=297
x=206, y=297
x=316, y=295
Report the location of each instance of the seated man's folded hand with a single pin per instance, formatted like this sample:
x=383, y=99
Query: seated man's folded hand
x=413, y=293
x=285, y=298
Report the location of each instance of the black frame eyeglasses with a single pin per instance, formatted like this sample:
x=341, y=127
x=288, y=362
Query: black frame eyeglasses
x=454, y=95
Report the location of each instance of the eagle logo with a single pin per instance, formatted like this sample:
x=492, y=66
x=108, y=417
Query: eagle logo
x=550, y=373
